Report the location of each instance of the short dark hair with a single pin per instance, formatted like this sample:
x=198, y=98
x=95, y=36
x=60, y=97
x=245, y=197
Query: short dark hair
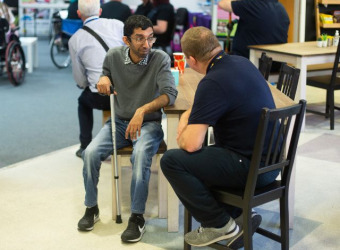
x=134, y=22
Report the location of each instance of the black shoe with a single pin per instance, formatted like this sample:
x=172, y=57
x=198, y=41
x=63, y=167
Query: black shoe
x=91, y=216
x=134, y=230
x=80, y=152
x=238, y=242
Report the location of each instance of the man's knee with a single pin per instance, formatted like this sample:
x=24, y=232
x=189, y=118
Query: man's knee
x=168, y=159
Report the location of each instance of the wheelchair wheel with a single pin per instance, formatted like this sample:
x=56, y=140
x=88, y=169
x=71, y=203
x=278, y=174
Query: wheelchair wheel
x=15, y=63
x=59, y=53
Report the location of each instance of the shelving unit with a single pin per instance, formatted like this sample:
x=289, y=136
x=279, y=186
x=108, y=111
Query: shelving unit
x=320, y=25
x=52, y=6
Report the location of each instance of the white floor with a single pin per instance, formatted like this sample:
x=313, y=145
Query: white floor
x=42, y=201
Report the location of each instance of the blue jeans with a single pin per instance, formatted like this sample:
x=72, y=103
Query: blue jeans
x=192, y=174
x=144, y=148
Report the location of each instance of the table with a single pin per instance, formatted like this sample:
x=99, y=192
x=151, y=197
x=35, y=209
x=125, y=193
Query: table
x=31, y=43
x=298, y=54
x=186, y=91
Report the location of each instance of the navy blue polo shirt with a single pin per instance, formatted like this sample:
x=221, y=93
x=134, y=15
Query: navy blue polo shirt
x=230, y=98
x=261, y=22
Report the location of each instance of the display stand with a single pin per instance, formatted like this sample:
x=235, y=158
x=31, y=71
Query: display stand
x=52, y=7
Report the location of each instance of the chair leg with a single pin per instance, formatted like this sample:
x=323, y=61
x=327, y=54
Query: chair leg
x=327, y=103
x=247, y=229
x=331, y=108
x=284, y=222
x=162, y=191
x=187, y=227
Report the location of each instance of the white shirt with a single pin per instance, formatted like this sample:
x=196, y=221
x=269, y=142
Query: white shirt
x=87, y=54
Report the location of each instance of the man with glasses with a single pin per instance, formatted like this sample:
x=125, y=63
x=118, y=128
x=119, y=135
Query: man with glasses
x=143, y=85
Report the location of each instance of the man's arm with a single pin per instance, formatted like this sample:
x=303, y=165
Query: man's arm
x=190, y=137
x=160, y=27
x=226, y=5
x=78, y=69
x=136, y=122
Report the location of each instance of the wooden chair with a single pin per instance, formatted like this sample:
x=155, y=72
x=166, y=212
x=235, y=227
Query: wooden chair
x=265, y=64
x=288, y=80
x=123, y=159
x=288, y=122
x=330, y=83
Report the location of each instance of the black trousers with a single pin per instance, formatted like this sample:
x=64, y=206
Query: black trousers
x=192, y=174
x=88, y=101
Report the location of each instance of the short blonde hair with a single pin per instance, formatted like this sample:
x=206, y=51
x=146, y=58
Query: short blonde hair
x=199, y=42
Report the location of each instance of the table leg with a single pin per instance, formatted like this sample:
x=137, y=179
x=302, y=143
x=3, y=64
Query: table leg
x=173, y=202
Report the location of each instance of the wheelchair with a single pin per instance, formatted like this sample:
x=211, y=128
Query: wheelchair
x=63, y=30
x=12, y=57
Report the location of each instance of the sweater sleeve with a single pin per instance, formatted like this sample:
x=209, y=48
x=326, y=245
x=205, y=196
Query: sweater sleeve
x=106, y=66
x=166, y=81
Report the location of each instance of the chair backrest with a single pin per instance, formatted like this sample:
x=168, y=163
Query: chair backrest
x=335, y=66
x=277, y=127
x=265, y=64
x=181, y=18
x=70, y=26
x=4, y=26
x=288, y=80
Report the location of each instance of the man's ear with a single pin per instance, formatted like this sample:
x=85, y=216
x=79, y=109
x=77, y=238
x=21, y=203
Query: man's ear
x=126, y=40
x=100, y=11
x=192, y=60
x=79, y=14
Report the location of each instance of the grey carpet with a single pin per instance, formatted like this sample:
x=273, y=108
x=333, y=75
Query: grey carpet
x=40, y=115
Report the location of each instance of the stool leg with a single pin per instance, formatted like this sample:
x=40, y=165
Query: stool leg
x=162, y=191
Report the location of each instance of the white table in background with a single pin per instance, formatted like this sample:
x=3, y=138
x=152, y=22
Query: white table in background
x=31, y=44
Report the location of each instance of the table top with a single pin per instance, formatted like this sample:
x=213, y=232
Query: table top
x=187, y=87
x=296, y=49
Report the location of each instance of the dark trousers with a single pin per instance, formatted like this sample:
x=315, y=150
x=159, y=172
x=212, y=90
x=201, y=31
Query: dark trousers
x=191, y=175
x=88, y=101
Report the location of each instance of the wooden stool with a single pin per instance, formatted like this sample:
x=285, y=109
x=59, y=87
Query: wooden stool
x=106, y=115
x=123, y=159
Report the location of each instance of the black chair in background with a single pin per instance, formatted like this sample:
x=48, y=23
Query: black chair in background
x=265, y=64
x=263, y=161
x=288, y=80
x=330, y=83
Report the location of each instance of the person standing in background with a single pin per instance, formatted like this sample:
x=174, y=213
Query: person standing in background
x=6, y=13
x=261, y=22
x=144, y=8
x=115, y=9
x=163, y=20
x=87, y=56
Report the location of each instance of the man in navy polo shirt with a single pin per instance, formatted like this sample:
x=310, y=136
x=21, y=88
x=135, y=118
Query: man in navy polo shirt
x=229, y=98
x=261, y=22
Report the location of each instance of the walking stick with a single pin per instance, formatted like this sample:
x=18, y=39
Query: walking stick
x=116, y=177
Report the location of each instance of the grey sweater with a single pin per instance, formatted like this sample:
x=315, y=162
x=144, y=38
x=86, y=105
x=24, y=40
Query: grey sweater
x=137, y=84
